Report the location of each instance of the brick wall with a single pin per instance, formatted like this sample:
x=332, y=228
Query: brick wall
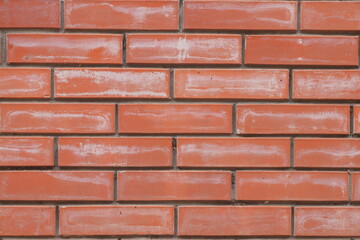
x=191, y=119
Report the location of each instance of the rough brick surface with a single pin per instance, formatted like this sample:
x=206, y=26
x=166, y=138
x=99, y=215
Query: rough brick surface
x=26, y=151
x=56, y=185
x=250, y=220
x=116, y=220
x=292, y=119
x=301, y=50
x=292, y=186
x=327, y=153
x=241, y=15
x=172, y=185
x=27, y=220
x=57, y=118
x=128, y=15
x=112, y=83
x=183, y=49
x=225, y=84
x=179, y=119
x=110, y=152
x=233, y=152
x=30, y=14
x=331, y=16
x=64, y=48
x=25, y=83
x=326, y=84
x=327, y=221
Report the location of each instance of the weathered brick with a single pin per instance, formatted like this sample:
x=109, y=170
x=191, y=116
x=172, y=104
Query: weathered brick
x=240, y=15
x=231, y=84
x=25, y=83
x=173, y=185
x=119, y=152
x=64, y=48
x=175, y=118
x=302, y=50
x=183, y=49
x=111, y=83
x=128, y=15
x=116, y=220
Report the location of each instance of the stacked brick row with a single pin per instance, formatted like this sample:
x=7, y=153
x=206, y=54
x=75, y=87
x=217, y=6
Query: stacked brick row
x=179, y=119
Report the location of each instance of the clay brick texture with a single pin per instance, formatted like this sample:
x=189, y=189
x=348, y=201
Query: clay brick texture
x=179, y=119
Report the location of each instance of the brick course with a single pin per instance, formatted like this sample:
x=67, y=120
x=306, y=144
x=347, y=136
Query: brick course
x=173, y=119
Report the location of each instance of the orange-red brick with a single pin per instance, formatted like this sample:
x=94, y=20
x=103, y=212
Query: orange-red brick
x=183, y=49
x=292, y=119
x=56, y=186
x=291, y=186
x=26, y=151
x=355, y=186
x=326, y=84
x=64, y=48
x=57, y=118
x=25, y=83
x=327, y=152
x=175, y=118
x=357, y=119
x=334, y=221
x=29, y=14
x=27, y=221
x=173, y=185
x=119, y=152
x=111, y=83
x=245, y=221
x=240, y=15
x=128, y=15
x=116, y=220
x=233, y=152
x=330, y=15
x=231, y=84
x=302, y=50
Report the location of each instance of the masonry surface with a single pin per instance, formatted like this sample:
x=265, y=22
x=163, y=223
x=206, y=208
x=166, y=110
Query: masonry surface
x=179, y=119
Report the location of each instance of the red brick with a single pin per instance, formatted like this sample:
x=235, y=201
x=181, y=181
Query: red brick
x=27, y=221
x=302, y=50
x=291, y=186
x=57, y=118
x=175, y=118
x=116, y=220
x=115, y=152
x=240, y=15
x=26, y=151
x=326, y=84
x=58, y=238
x=327, y=221
x=234, y=221
x=233, y=152
x=64, y=48
x=56, y=186
x=356, y=186
x=331, y=16
x=30, y=14
x=128, y=15
x=356, y=119
x=173, y=185
x=25, y=83
x=293, y=119
x=111, y=83
x=231, y=83
x=183, y=49
x=327, y=153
